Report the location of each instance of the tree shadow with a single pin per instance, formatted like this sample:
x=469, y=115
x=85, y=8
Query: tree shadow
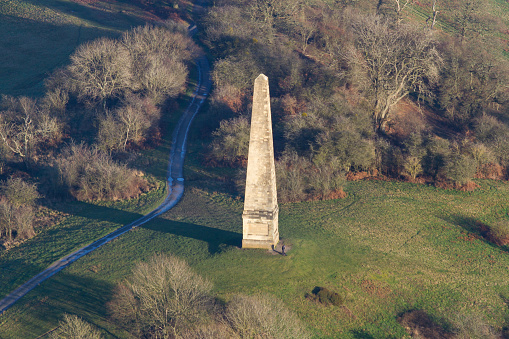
x=478, y=229
x=216, y=238
x=361, y=334
x=45, y=306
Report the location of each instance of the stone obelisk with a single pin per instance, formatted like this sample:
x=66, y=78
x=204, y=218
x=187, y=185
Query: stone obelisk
x=260, y=217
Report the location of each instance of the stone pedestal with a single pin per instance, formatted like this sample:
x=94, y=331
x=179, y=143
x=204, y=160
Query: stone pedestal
x=260, y=217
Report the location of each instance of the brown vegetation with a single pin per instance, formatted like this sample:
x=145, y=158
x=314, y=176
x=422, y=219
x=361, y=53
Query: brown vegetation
x=418, y=324
x=90, y=174
x=373, y=92
x=165, y=298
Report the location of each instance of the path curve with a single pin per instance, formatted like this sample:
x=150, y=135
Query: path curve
x=175, y=187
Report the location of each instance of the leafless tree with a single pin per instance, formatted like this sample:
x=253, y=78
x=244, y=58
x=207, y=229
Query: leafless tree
x=263, y=317
x=157, y=56
x=273, y=14
x=24, y=125
x=433, y=17
x=400, y=6
x=19, y=192
x=17, y=128
x=163, y=297
x=73, y=327
x=7, y=219
x=100, y=69
x=128, y=123
x=231, y=141
x=470, y=18
x=389, y=63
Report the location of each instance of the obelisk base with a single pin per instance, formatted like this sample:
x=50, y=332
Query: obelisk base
x=260, y=229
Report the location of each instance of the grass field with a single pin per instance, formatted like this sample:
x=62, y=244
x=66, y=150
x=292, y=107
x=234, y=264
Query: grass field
x=410, y=250
x=388, y=248
x=39, y=36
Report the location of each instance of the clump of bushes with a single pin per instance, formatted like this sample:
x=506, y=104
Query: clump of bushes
x=299, y=179
x=89, y=174
x=326, y=296
x=499, y=232
x=16, y=210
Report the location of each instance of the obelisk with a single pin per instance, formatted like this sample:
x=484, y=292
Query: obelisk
x=260, y=217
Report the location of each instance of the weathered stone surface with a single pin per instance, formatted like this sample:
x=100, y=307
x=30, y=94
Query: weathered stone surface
x=260, y=217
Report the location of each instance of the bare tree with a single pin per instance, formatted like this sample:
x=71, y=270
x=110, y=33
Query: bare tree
x=390, y=63
x=163, y=296
x=19, y=192
x=231, y=141
x=100, y=69
x=128, y=123
x=157, y=56
x=433, y=17
x=24, y=125
x=263, y=317
x=73, y=327
x=272, y=15
x=17, y=127
x=470, y=18
x=400, y=6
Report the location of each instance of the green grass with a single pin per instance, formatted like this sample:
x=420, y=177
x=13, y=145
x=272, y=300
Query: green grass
x=39, y=36
x=86, y=223
x=387, y=248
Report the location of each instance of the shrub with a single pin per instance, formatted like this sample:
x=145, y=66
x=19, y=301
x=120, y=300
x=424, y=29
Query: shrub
x=299, y=179
x=262, y=317
x=413, y=166
x=89, y=174
x=438, y=151
x=162, y=298
x=469, y=326
x=20, y=193
x=499, y=232
x=231, y=142
x=493, y=133
x=460, y=168
x=326, y=297
x=76, y=328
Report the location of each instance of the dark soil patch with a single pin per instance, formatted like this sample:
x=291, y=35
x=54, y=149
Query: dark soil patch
x=419, y=325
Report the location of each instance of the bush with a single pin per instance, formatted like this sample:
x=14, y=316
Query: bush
x=499, y=232
x=326, y=297
x=262, y=317
x=76, y=328
x=460, y=168
x=16, y=222
x=162, y=298
x=231, y=142
x=299, y=179
x=493, y=133
x=438, y=151
x=413, y=166
x=130, y=123
x=20, y=193
x=89, y=174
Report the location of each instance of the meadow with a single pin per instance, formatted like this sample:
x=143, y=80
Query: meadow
x=39, y=36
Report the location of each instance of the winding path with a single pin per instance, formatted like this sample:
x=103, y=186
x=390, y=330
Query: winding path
x=175, y=187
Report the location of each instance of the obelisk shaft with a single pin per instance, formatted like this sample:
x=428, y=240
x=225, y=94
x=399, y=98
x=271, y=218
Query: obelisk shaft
x=260, y=217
